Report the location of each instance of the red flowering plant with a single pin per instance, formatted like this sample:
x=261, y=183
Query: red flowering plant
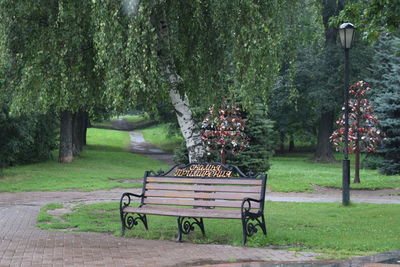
x=223, y=131
x=364, y=133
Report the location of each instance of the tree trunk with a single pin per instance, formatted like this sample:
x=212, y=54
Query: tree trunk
x=323, y=152
x=357, y=154
x=357, y=168
x=65, y=151
x=181, y=103
x=223, y=157
x=188, y=128
x=282, y=143
x=77, y=141
x=85, y=127
x=291, y=144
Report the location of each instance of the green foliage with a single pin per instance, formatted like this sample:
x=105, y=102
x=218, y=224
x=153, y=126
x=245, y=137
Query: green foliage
x=127, y=54
x=261, y=145
x=311, y=84
x=302, y=226
x=105, y=164
x=371, y=17
x=50, y=55
x=181, y=155
x=386, y=99
x=212, y=45
x=372, y=161
x=26, y=139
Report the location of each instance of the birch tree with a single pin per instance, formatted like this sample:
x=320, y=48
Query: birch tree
x=184, y=52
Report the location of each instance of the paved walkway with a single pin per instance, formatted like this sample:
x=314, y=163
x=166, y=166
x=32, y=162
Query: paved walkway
x=23, y=244
x=140, y=146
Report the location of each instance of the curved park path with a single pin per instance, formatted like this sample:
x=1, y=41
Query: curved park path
x=23, y=244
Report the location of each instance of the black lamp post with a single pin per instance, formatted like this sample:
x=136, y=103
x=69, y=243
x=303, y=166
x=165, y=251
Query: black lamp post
x=346, y=33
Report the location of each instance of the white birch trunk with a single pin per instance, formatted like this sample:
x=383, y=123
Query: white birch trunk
x=187, y=126
x=182, y=109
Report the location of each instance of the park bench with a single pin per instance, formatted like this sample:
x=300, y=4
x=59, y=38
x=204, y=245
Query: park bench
x=195, y=191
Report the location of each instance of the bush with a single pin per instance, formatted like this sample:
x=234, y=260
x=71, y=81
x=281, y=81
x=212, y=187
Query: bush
x=261, y=145
x=372, y=162
x=25, y=139
x=181, y=154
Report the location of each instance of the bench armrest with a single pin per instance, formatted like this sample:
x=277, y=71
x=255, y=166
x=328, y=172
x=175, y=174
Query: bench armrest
x=126, y=199
x=246, y=205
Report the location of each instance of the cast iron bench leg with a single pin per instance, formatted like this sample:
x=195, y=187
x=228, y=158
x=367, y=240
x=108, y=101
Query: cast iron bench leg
x=263, y=227
x=185, y=226
x=130, y=222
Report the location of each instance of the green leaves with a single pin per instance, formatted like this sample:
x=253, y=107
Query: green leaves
x=50, y=54
x=371, y=17
x=69, y=55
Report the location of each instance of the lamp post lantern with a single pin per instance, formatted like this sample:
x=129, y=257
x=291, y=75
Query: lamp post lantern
x=346, y=34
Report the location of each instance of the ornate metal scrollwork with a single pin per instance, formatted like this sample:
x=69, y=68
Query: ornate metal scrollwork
x=185, y=226
x=246, y=206
x=130, y=220
x=125, y=201
x=251, y=220
x=250, y=227
x=250, y=223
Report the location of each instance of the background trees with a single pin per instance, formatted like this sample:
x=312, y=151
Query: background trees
x=386, y=98
x=50, y=64
x=72, y=59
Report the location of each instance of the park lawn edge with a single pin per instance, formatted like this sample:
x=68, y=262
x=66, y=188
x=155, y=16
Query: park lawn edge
x=296, y=225
x=105, y=163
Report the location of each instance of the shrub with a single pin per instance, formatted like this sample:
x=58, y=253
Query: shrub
x=372, y=162
x=25, y=139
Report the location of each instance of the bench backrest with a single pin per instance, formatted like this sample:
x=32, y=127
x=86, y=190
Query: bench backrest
x=203, y=191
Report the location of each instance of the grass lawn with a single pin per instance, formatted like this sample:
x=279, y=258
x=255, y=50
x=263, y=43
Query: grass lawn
x=104, y=164
x=337, y=231
x=295, y=172
x=158, y=136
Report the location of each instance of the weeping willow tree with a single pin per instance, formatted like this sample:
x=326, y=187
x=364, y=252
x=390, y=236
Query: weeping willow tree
x=71, y=56
x=189, y=53
x=49, y=63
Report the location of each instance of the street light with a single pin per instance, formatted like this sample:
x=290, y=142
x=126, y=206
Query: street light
x=346, y=34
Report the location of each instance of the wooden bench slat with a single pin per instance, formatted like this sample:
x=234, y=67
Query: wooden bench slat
x=223, y=181
x=208, y=188
x=211, y=195
x=185, y=212
x=199, y=203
